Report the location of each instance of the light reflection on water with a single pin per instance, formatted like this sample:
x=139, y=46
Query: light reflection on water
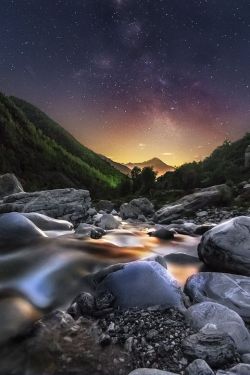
x=49, y=273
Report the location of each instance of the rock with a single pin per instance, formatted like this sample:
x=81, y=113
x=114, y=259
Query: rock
x=108, y=222
x=67, y=204
x=15, y=229
x=162, y=233
x=226, y=320
x=230, y=290
x=202, y=213
x=9, y=184
x=240, y=369
x=198, y=367
x=201, y=229
x=183, y=228
x=105, y=205
x=142, y=218
x=150, y=371
x=142, y=284
x=246, y=358
x=136, y=207
x=91, y=211
x=47, y=223
x=227, y=246
x=215, y=347
x=83, y=304
x=192, y=202
x=88, y=230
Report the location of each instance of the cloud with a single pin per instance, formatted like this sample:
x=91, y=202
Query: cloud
x=142, y=146
x=167, y=154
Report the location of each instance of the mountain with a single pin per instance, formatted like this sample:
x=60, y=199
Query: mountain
x=225, y=164
x=45, y=156
x=157, y=164
x=119, y=166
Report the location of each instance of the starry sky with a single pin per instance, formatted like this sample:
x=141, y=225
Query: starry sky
x=133, y=79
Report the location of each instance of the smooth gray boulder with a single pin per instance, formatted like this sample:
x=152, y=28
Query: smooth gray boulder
x=67, y=204
x=240, y=369
x=225, y=319
x=15, y=229
x=189, y=204
x=230, y=290
x=136, y=207
x=226, y=247
x=9, y=184
x=47, y=223
x=108, y=222
x=142, y=284
x=198, y=367
x=215, y=347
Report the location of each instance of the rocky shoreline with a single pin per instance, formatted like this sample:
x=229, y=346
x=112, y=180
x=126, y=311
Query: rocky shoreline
x=133, y=317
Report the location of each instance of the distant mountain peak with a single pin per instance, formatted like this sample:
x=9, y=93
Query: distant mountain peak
x=157, y=164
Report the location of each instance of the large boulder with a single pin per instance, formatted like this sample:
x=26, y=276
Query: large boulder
x=136, y=207
x=226, y=247
x=189, y=204
x=9, y=184
x=226, y=320
x=230, y=290
x=15, y=230
x=67, y=204
x=142, y=284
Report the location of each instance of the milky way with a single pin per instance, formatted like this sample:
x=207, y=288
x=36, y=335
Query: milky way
x=133, y=79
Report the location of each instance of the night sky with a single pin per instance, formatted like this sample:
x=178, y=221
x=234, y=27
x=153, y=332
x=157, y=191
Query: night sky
x=133, y=79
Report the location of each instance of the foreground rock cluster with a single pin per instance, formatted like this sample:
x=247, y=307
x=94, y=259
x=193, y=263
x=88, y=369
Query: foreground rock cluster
x=129, y=318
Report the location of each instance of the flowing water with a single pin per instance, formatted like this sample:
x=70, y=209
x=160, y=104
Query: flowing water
x=47, y=274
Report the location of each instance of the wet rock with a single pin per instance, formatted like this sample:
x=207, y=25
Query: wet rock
x=150, y=371
x=142, y=284
x=9, y=184
x=191, y=203
x=198, y=367
x=15, y=229
x=88, y=230
x=225, y=320
x=104, y=300
x=227, y=246
x=240, y=369
x=82, y=305
x=201, y=229
x=162, y=233
x=187, y=228
x=67, y=204
x=108, y=222
x=215, y=347
x=47, y=223
x=136, y=207
x=230, y=290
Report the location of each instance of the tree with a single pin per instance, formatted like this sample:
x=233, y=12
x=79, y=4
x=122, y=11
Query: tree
x=148, y=178
x=136, y=178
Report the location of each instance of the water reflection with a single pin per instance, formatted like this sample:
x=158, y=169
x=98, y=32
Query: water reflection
x=48, y=273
